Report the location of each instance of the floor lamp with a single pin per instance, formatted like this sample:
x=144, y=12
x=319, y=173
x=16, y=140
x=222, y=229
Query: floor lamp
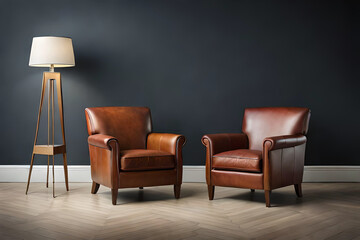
x=51, y=52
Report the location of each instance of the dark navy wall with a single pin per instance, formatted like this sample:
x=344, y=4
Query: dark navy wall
x=196, y=64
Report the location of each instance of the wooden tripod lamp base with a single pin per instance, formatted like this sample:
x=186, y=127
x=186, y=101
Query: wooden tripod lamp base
x=51, y=149
x=50, y=51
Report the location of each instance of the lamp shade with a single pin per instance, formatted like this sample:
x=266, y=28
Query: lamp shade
x=48, y=51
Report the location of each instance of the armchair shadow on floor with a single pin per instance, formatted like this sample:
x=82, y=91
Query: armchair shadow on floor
x=148, y=194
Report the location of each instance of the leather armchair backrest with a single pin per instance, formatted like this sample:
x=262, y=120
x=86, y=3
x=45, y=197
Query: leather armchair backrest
x=129, y=125
x=259, y=123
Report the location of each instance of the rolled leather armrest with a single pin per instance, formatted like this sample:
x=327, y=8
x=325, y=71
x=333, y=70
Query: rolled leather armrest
x=222, y=142
x=166, y=142
x=99, y=147
x=101, y=140
x=284, y=141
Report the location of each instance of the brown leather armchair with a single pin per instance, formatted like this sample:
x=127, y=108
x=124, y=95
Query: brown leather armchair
x=269, y=154
x=124, y=153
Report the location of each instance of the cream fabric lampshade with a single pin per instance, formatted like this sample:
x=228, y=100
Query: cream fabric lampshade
x=56, y=51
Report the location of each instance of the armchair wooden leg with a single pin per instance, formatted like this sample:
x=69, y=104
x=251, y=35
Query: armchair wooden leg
x=177, y=189
x=95, y=187
x=114, y=194
x=267, y=198
x=298, y=189
x=211, y=191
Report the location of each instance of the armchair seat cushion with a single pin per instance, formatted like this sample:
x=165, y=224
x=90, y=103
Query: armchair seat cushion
x=144, y=159
x=238, y=160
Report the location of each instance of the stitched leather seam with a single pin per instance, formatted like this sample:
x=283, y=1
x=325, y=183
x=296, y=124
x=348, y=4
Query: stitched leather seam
x=238, y=169
x=152, y=169
x=98, y=146
x=297, y=140
x=237, y=157
x=176, y=157
x=211, y=156
x=208, y=148
x=281, y=162
x=114, y=182
x=147, y=156
x=91, y=121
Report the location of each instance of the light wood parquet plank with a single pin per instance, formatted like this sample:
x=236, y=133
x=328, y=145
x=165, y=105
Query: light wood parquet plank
x=327, y=211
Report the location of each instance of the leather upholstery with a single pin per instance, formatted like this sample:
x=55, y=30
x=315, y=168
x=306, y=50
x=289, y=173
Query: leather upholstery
x=101, y=165
x=129, y=125
x=269, y=154
x=125, y=153
x=283, y=166
x=147, y=178
x=260, y=123
x=172, y=143
x=221, y=142
x=101, y=140
x=144, y=159
x=165, y=142
x=104, y=163
x=238, y=160
x=285, y=141
x=237, y=179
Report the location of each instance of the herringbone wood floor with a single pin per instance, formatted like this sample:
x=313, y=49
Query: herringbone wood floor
x=327, y=211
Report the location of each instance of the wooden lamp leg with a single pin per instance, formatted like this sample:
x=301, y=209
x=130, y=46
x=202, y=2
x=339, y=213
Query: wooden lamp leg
x=31, y=166
x=61, y=114
x=53, y=173
x=66, y=172
x=47, y=174
x=48, y=163
x=50, y=149
x=53, y=130
x=43, y=87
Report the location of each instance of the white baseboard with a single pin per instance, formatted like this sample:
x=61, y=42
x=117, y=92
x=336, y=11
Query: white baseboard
x=311, y=174
x=81, y=173
x=19, y=173
x=194, y=174
x=332, y=174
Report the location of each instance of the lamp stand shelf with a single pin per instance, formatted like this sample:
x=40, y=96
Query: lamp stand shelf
x=50, y=149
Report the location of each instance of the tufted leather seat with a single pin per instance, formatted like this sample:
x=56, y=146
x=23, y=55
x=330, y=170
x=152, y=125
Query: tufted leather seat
x=143, y=159
x=239, y=160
